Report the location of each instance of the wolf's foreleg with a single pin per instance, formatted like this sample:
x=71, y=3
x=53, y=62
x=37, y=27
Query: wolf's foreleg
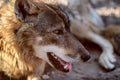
x=107, y=58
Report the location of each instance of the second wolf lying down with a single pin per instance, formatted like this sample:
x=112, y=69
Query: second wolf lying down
x=40, y=35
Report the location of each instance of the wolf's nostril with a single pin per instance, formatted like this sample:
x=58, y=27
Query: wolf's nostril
x=85, y=57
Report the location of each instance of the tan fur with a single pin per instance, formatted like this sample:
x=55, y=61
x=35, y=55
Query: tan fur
x=11, y=60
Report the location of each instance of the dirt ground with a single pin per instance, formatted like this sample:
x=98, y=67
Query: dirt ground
x=90, y=70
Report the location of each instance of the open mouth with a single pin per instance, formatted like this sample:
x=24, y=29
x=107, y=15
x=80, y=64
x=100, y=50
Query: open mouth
x=58, y=63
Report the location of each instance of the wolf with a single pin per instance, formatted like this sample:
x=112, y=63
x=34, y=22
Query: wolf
x=32, y=35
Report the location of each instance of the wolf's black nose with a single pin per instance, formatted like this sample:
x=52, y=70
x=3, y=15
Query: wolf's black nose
x=84, y=54
x=85, y=57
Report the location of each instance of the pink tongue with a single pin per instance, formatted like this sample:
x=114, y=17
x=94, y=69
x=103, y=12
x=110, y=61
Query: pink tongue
x=66, y=65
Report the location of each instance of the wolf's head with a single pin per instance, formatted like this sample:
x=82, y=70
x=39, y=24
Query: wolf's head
x=45, y=33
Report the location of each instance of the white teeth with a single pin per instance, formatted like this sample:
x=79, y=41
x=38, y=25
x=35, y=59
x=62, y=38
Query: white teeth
x=54, y=56
x=65, y=66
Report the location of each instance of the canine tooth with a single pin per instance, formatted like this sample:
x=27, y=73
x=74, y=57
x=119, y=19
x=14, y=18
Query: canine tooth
x=65, y=66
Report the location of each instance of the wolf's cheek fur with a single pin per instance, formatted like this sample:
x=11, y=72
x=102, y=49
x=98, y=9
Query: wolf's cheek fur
x=42, y=51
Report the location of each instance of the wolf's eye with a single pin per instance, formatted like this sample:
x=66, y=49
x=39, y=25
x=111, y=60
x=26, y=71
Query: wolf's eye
x=59, y=32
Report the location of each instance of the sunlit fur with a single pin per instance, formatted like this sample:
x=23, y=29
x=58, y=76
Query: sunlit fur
x=10, y=52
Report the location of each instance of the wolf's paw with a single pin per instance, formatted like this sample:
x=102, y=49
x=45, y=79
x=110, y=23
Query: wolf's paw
x=107, y=61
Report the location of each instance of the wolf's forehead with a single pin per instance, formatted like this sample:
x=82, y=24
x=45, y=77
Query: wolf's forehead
x=48, y=15
x=48, y=19
x=48, y=28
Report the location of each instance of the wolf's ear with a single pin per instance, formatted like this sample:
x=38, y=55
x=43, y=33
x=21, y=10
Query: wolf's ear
x=63, y=14
x=25, y=9
x=60, y=10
